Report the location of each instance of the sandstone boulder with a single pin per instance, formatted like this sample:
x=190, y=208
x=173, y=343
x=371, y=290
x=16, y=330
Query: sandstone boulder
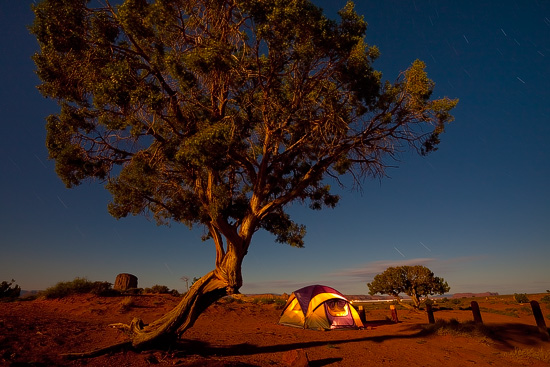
x=125, y=281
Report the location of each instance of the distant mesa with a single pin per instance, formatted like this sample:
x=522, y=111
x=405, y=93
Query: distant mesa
x=471, y=295
x=25, y=293
x=363, y=297
x=125, y=281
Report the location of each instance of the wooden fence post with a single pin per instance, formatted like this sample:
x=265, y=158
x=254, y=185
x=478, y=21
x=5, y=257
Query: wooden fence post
x=394, y=314
x=476, y=312
x=539, y=318
x=362, y=314
x=430, y=312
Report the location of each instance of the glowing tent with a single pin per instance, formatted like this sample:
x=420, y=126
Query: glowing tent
x=321, y=308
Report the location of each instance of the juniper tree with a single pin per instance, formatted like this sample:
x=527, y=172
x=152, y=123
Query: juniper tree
x=415, y=281
x=220, y=113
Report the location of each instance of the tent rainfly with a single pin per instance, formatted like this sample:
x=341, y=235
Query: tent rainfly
x=319, y=307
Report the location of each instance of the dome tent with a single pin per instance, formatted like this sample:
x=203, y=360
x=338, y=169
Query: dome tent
x=319, y=307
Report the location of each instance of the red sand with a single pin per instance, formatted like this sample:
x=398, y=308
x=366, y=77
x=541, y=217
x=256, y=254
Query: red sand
x=247, y=334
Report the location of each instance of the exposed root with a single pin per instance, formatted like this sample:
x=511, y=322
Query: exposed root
x=169, y=327
x=127, y=345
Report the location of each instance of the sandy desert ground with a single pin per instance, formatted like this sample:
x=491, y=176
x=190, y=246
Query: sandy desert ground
x=246, y=333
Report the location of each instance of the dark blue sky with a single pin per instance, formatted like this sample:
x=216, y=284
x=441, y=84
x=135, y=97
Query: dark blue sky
x=476, y=212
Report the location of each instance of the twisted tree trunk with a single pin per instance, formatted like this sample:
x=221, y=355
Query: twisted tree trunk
x=226, y=279
x=207, y=290
x=164, y=331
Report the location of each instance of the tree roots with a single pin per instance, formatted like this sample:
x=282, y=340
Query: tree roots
x=127, y=345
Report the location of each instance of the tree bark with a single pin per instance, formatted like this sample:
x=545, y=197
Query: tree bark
x=225, y=280
x=172, y=325
x=164, y=331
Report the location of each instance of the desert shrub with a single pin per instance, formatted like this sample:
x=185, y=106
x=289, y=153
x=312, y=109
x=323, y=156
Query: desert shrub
x=526, y=310
x=521, y=298
x=545, y=299
x=9, y=292
x=280, y=303
x=540, y=354
x=263, y=301
x=230, y=299
x=79, y=286
x=157, y=289
x=134, y=291
x=104, y=289
x=64, y=289
x=454, y=327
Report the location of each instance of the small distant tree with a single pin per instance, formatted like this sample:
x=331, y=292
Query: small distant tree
x=521, y=298
x=415, y=281
x=186, y=280
x=7, y=291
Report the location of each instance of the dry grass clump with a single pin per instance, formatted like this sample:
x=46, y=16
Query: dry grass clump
x=454, y=327
x=540, y=354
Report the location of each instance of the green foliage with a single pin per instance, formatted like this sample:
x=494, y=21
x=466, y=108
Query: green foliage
x=158, y=289
x=222, y=114
x=277, y=301
x=229, y=300
x=415, y=281
x=8, y=290
x=521, y=298
x=79, y=286
x=545, y=299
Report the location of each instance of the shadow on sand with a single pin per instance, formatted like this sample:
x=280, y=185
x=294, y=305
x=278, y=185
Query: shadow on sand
x=504, y=336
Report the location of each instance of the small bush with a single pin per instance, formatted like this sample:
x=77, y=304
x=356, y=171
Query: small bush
x=79, y=286
x=521, y=298
x=454, y=327
x=9, y=292
x=545, y=299
x=134, y=291
x=157, y=289
x=540, y=354
x=279, y=303
x=104, y=289
x=175, y=293
x=229, y=299
x=263, y=301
